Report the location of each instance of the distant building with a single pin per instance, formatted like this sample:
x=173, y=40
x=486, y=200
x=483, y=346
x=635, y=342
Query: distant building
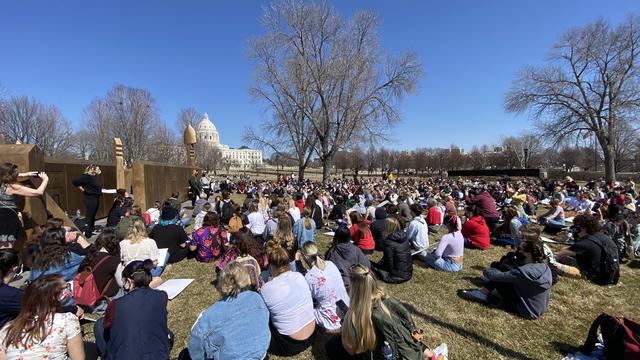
x=206, y=133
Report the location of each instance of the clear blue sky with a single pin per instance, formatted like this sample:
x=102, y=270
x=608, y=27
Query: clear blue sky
x=193, y=53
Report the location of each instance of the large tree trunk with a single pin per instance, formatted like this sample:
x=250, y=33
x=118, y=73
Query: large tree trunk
x=609, y=163
x=326, y=170
x=301, y=170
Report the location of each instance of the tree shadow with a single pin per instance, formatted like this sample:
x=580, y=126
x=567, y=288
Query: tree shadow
x=634, y=264
x=564, y=348
x=481, y=340
x=474, y=280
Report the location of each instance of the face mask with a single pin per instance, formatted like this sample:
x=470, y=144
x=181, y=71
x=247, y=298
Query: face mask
x=66, y=297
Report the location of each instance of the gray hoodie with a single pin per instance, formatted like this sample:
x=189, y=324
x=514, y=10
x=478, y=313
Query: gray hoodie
x=531, y=283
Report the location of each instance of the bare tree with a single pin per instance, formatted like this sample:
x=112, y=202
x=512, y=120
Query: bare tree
x=519, y=150
x=208, y=157
x=29, y=121
x=127, y=113
x=187, y=116
x=353, y=91
x=589, y=85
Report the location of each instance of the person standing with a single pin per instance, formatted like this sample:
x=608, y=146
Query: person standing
x=11, y=228
x=195, y=187
x=92, y=189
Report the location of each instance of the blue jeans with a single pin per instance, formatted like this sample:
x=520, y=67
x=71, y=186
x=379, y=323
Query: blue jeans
x=98, y=333
x=157, y=271
x=440, y=263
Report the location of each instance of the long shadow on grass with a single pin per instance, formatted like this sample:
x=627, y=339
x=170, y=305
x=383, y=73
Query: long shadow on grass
x=470, y=335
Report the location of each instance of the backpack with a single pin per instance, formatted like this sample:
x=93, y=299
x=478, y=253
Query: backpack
x=621, y=337
x=146, y=217
x=85, y=289
x=226, y=211
x=609, y=269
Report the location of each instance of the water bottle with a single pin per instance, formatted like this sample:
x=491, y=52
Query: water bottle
x=78, y=213
x=387, y=351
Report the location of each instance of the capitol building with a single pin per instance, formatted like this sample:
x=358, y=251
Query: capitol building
x=206, y=133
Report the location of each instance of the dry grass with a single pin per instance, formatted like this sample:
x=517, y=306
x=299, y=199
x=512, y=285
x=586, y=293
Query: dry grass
x=471, y=330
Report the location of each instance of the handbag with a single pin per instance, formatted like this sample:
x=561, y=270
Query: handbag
x=85, y=289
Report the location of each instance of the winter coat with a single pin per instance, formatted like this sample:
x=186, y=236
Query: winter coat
x=396, y=265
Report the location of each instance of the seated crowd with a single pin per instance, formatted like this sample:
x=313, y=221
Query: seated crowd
x=278, y=292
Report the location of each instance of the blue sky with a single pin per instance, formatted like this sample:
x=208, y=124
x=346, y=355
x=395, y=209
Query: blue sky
x=193, y=53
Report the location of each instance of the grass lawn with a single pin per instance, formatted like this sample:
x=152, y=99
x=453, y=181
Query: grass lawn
x=471, y=330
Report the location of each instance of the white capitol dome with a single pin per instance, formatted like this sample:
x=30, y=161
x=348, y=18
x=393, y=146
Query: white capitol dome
x=206, y=131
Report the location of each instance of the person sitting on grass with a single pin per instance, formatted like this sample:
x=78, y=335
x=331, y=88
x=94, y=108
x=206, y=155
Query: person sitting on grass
x=377, y=326
x=40, y=331
x=361, y=231
x=288, y=298
x=584, y=259
x=304, y=229
x=197, y=222
x=234, y=327
x=525, y=289
x=475, y=230
x=553, y=219
x=418, y=230
x=396, y=265
x=344, y=254
x=211, y=240
x=132, y=213
x=168, y=234
x=510, y=232
x=449, y=254
x=325, y=282
x=54, y=257
x=138, y=246
x=434, y=216
x=135, y=325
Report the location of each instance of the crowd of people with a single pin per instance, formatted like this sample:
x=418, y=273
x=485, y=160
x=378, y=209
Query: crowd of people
x=277, y=290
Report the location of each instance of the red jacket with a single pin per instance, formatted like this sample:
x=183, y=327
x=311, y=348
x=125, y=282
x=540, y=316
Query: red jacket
x=434, y=216
x=300, y=205
x=364, y=242
x=476, y=231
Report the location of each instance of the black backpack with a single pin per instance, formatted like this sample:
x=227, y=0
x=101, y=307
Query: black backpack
x=609, y=270
x=226, y=212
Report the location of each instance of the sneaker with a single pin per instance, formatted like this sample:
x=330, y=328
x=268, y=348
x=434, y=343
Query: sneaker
x=474, y=295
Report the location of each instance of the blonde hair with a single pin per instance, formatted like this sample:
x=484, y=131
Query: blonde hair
x=137, y=232
x=391, y=225
x=284, y=232
x=364, y=293
x=234, y=279
x=310, y=256
x=278, y=258
x=306, y=214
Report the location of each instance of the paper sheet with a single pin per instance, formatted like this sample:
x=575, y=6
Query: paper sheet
x=162, y=256
x=174, y=287
x=569, y=219
x=330, y=233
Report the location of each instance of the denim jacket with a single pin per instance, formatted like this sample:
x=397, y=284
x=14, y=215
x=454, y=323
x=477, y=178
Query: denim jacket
x=67, y=269
x=232, y=328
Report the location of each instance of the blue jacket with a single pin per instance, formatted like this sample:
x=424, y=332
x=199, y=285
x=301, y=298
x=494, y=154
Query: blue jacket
x=137, y=324
x=67, y=269
x=301, y=234
x=232, y=328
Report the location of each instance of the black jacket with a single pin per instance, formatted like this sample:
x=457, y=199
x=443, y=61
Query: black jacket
x=377, y=227
x=396, y=265
x=344, y=256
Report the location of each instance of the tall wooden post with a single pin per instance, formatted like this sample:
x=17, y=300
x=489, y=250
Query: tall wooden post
x=120, y=182
x=190, y=145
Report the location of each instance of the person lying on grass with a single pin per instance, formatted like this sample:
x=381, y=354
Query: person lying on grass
x=523, y=289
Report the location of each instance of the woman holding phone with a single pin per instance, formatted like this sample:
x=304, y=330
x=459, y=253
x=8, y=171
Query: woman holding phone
x=11, y=228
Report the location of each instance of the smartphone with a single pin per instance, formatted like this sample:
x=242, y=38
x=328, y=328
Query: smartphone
x=342, y=306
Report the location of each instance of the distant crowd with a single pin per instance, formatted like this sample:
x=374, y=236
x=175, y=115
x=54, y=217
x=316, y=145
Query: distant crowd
x=278, y=291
